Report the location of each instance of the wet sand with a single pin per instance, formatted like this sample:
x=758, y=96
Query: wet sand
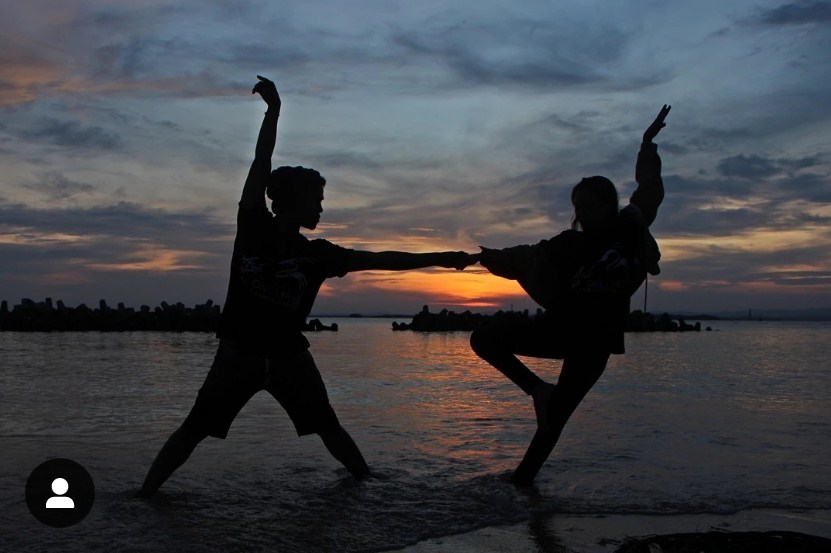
x=757, y=530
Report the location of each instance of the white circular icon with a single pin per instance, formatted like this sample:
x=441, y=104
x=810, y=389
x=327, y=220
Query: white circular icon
x=59, y=487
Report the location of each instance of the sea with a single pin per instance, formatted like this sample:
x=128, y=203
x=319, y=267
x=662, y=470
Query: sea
x=734, y=419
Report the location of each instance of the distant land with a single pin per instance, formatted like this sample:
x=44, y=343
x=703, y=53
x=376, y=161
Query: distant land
x=46, y=315
x=816, y=314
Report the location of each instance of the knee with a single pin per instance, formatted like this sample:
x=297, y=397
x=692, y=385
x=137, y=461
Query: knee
x=188, y=435
x=480, y=342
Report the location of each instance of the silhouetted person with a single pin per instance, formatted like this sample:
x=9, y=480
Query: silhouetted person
x=275, y=276
x=584, y=277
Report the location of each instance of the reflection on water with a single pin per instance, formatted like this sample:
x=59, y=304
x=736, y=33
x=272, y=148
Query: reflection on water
x=711, y=422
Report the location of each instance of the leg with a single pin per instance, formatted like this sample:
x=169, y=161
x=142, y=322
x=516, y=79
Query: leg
x=230, y=383
x=577, y=377
x=498, y=345
x=173, y=454
x=343, y=448
x=296, y=383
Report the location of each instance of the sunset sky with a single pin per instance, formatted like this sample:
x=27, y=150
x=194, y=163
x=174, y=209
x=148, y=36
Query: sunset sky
x=128, y=127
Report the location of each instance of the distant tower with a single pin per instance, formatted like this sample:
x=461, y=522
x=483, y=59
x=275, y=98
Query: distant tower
x=749, y=314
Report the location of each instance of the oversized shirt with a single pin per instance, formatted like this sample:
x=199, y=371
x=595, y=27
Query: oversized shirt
x=273, y=284
x=585, y=282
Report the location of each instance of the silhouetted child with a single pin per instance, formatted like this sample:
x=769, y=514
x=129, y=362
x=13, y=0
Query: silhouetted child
x=275, y=276
x=584, y=277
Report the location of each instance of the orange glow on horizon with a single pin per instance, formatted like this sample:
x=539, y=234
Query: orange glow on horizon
x=156, y=260
x=673, y=285
x=469, y=289
x=36, y=238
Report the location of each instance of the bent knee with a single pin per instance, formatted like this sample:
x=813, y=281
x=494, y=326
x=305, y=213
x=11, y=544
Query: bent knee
x=189, y=434
x=485, y=342
x=478, y=341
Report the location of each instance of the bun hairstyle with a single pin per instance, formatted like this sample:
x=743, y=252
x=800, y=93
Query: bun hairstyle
x=286, y=184
x=603, y=189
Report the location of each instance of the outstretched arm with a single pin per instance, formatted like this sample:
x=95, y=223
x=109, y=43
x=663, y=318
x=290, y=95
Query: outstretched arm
x=253, y=193
x=650, y=192
x=404, y=261
x=511, y=263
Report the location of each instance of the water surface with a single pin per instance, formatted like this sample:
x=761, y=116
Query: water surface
x=710, y=422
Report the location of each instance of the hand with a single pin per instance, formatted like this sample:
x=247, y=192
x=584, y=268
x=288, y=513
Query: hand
x=658, y=124
x=459, y=260
x=268, y=91
x=486, y=256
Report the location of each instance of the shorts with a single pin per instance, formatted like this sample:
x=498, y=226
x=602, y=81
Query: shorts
x=237, y=375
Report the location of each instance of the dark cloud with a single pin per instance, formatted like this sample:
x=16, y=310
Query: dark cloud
x=73, y=254
x=131, y=59
x=122, y=220
x=811, y=187
x=747, y=265
x=390, y=218
x=798, y=278
x=707, y=206
x=797, y=13
x=62, y=275
x=523, y=53
x=474, y=67
x=710, y=206
x=273, y=56
x=679, y=216
x=770, y=187
x=56, y=186
x=150, y=49
x=72, y=134
x=756, y=167
x=747, y=167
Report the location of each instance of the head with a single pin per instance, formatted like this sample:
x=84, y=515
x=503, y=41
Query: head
x=595, y=204
x=296, y=193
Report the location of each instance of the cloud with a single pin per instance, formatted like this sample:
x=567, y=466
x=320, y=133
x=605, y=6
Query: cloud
x=724, y=206
x=117, y=251
x=72, y=134
x=111, y=224
x=746, y=260
x=747, y=167
x=56, y=186
x=797, y=13
x=436, y=126
x=517, y=52
x=61, y=50
x=755, y=166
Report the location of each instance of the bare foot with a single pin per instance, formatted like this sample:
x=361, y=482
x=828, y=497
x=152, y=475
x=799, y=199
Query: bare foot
x=144, y=493
x=541, y=394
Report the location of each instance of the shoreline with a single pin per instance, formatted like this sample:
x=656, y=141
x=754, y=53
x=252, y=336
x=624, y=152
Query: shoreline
x=607, y=533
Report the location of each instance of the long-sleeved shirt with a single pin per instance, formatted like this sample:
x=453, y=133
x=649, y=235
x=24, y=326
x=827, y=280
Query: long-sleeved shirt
x=584, y=281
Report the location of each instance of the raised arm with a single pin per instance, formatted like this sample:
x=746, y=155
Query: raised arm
x=253, y=193
x=404, y=261
x=650, y=192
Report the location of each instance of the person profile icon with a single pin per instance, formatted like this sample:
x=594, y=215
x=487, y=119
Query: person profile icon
x=59, y=501
x=47, y=497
